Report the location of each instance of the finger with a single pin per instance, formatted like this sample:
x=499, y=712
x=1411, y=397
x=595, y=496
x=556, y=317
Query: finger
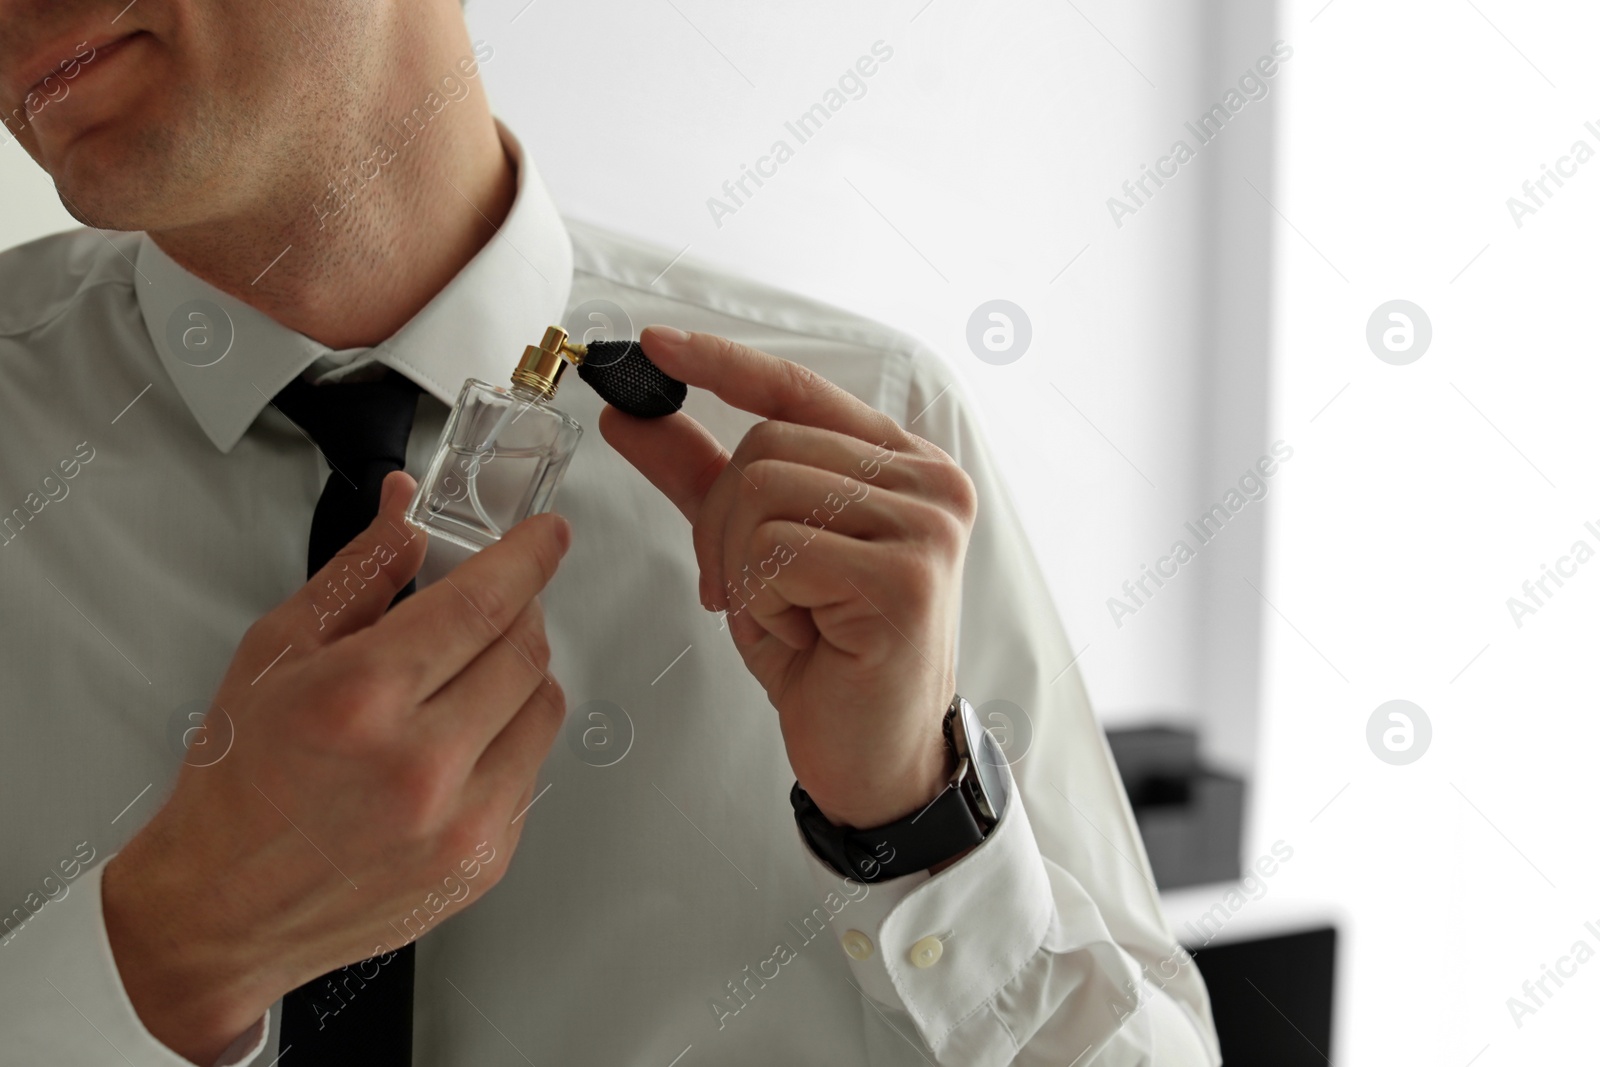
x=675, y=453
x=691, y=468
x=683, y=460
x=813, y=500
x=845, y=584
x=854, y=463
x=431, y=636
x=792, y=626
x=472, y=708
x=507, y=772
x=688, y=465
x=844, y=455
x=766, y=385
x=355, y=587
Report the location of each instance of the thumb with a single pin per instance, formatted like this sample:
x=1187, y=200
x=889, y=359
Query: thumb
x=676, y=454
x=356, y=586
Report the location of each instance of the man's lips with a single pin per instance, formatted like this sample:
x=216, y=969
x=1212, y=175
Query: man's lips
x=69, y=50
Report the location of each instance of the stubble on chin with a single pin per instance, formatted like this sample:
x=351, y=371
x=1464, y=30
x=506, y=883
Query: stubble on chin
x=143, y=174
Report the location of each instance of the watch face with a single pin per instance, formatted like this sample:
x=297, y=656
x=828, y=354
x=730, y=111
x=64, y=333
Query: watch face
x=987, y=760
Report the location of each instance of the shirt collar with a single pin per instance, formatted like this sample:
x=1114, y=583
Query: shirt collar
x=228, y=359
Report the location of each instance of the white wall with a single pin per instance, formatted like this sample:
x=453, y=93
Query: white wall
x=1419, y=500
x=31, y=207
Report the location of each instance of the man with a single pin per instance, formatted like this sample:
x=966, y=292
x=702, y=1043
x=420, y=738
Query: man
x=308, y=790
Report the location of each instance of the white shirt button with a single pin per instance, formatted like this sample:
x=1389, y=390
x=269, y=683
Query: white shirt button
x=857, y=945
x=926, y=953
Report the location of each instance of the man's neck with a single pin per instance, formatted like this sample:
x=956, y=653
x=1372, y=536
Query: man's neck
x=348, y=264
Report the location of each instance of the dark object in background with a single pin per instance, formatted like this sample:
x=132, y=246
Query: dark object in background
x=1190, y=816
x=1272, y=998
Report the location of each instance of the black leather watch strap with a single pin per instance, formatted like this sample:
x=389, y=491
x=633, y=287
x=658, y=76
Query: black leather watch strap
x=957, y=819
x=943, y=829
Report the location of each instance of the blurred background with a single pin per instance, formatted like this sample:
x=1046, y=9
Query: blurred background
x=1335, y=267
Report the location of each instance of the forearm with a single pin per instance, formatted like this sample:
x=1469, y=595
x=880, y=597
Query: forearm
x=187, y=976
x=64, y=1001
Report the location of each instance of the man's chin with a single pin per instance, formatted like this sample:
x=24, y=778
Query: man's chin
x=115, y=178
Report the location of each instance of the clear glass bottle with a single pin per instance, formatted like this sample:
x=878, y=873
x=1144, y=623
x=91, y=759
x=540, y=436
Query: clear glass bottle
x=502, y=453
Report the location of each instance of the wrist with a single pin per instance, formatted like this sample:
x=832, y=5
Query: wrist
x=952, y=815
x=898, y=795
x=194, y=988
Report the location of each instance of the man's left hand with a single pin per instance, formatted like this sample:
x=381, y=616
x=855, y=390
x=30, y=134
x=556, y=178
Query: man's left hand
x=834, y=540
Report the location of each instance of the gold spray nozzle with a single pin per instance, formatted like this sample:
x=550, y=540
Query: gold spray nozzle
x=541, y=365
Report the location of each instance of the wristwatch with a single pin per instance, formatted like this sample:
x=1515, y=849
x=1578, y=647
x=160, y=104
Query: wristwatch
x=960, y=817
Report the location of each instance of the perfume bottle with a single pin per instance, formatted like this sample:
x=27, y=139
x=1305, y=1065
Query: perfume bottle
x=503, y=451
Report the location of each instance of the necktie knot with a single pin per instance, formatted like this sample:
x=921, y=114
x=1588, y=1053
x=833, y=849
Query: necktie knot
x=354, y=422
x=361, y=429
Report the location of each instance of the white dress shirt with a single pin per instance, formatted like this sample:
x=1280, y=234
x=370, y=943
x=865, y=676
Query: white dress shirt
x=662, y=909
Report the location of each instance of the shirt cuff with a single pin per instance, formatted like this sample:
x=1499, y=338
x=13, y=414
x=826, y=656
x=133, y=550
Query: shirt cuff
x=941, y=947
x=63, y=997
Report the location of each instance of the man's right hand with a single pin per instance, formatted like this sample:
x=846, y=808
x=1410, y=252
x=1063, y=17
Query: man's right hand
x=372, y=754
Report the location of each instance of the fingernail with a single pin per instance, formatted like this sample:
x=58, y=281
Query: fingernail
x=670, y=334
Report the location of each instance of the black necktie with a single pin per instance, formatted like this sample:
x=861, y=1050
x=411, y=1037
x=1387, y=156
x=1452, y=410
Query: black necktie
x=361, y=427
